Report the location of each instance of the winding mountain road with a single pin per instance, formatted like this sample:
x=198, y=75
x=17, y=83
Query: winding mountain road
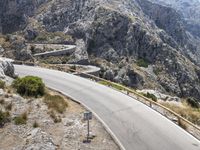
x=136, y=126
x=67, y=50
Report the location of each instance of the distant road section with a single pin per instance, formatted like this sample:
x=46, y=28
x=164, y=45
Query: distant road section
x=67, y=50
x=133, y=124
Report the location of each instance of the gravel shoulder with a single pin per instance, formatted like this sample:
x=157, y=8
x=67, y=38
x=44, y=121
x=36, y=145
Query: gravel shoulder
x=65, y=135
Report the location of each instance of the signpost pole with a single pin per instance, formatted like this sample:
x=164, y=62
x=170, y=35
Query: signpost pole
x=88, y=135
x=88, y=117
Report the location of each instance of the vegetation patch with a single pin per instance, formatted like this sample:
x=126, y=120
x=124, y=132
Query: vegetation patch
x=2, y=84
x=56, y=103
x=29, y=86
x=193, y=103
x=4, y=118
x=47, y=36
x=182, y=124
x=151, y=96
x=55, y=118
x=118, y=87
x=189, y=113
x=157, y=71
x=21, y=119
x=55, y=59
x=142, y=63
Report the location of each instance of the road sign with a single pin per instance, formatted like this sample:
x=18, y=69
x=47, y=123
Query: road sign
x=87, y=116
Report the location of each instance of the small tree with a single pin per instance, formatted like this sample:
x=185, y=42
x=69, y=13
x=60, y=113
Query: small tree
x=151, y=96
x=193, y=102
x=142, y=63
x=29, y=86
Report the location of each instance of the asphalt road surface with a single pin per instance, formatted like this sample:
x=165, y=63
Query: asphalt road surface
x=68, y=50
x=135, y=125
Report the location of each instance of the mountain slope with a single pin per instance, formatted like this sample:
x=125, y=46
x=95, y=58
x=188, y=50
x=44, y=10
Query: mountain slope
x=121, y=33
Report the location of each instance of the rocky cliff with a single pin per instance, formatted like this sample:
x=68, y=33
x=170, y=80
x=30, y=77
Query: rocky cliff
x=117, y=35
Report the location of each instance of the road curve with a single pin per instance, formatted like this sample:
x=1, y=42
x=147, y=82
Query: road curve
x=135, y=125
x=68, y=50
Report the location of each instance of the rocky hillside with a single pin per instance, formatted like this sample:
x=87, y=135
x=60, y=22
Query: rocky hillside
x=189, y=9
x=122, y=37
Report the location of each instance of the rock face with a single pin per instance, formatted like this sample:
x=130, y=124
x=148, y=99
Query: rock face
x=162, y=35
x=6, y=68
x=14, y=14
x=189, y=10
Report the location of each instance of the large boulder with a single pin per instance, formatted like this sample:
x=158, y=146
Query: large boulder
x=31, y=34
x=6, y=69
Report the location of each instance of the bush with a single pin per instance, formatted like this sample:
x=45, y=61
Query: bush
x=21, y=119
x=142, y=63
x=151, y=96
x=29, y=86
x=2, y=84
x=193, y=103
x=55, y=102
x=42, y=37
x=115, y=86
x=157, y=71
x=4, y=118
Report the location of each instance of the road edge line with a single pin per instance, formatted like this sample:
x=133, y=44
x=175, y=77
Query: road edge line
x=116, y=140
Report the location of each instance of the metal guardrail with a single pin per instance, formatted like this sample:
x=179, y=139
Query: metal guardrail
x=129, y=91
x=151, y=102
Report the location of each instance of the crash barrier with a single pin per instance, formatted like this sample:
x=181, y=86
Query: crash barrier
x=175, y=117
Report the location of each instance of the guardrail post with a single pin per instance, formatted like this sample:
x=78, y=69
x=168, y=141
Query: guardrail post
x=127, y=92
x=179, y=121
x=150, y=104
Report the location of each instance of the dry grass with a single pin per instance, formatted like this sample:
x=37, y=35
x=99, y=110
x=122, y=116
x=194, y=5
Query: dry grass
x=56, y=103
x=112, y=85
x=21, y=119
x=55, y=117
x=185, y=111
x=182, y=124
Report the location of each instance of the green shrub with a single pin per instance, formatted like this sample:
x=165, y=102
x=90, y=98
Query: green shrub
x=29, y=86
x=55, y=102
x=21, y=119
x=151, y=96
x=4, y=118
x=157, y=71
x=41, y=37
x=115, y=86
x=193, y=103
x=142, y=63
x=2, y=84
